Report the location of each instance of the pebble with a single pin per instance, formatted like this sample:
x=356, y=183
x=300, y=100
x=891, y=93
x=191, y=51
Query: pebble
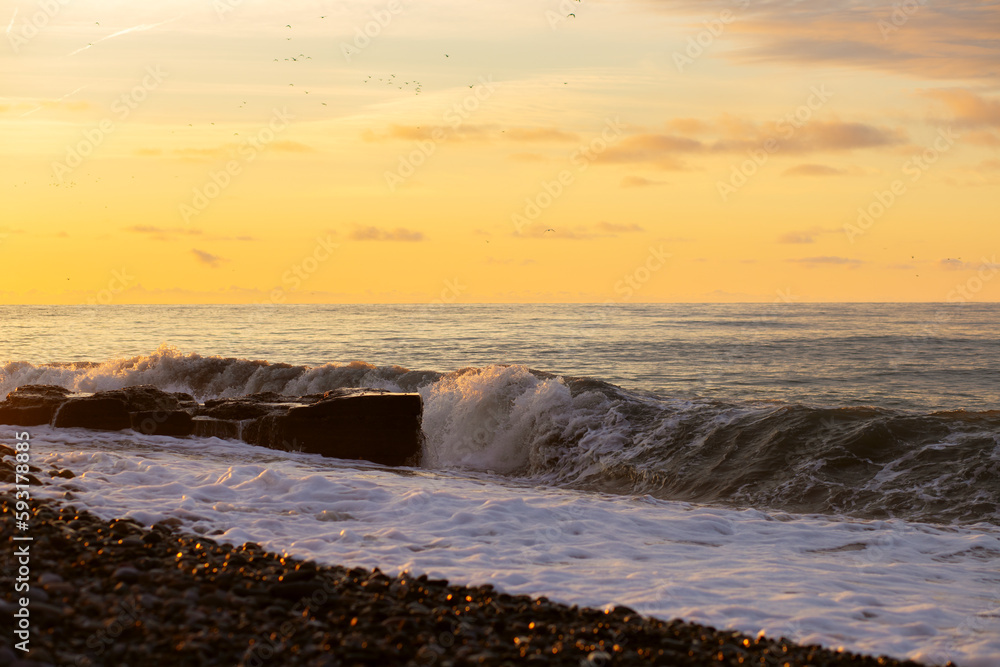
x=115, y=593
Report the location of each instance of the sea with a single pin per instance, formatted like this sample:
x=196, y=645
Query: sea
x=829, y=473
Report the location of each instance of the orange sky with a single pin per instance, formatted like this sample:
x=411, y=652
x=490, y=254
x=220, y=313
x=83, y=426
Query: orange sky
x=239, y=151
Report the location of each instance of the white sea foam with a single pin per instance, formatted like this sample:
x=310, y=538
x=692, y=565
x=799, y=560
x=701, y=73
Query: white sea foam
x=904, y=589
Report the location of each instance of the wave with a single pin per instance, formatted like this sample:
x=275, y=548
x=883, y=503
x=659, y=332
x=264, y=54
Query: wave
x=867, y=462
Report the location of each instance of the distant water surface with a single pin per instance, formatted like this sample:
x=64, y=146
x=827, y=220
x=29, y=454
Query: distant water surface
x=906, y=356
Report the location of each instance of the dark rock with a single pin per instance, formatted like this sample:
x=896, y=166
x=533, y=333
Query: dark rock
x=185, y=401
x=42, y=390
x=143, y=398
x=157, y=422
x=32, y=404
x=372, y=426
x=251, y=406
x=93, y=412
x=207, y=427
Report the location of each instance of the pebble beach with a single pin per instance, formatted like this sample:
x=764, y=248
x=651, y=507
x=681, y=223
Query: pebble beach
x=118, y=593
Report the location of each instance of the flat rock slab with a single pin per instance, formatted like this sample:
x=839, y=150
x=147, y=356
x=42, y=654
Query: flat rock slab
x=379, y=427
x=361, y=424
x=99, y=413
x=32, y=404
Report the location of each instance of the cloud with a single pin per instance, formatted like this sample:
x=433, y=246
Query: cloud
x=950, y=39
x=797, y=237
x=540, y=134
x=640, y=182
x=982, y=138
x=813, y=170
x=813, y=262
x=967, y=108
x=470, y=132
x=731, y=134
x=171, y=233
x=619, y=228
x=377, y=234
x=163, y=233
x=464, y=132
x=208, y=258
x=805, y=236
x=539, y=231
x=659, y=149
x=578, y=232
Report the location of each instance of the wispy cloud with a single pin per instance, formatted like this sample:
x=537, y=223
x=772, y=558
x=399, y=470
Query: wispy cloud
x=619, y=228
x=163, y=233
x=372, y=233
x=640, y=182
x=813, y=170
x=136, y=28
x=602, y=229
x=948, y=39
x=813, y=262
x=731, y=134
x=208, y=258
x=968, y=109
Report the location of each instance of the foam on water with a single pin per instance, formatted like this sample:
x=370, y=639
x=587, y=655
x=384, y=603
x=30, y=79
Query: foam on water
x=926, y=592
x=585, y=433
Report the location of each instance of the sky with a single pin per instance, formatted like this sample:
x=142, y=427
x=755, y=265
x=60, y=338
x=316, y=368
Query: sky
x=250, y=151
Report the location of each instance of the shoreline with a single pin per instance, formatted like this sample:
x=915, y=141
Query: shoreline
x=115, y=592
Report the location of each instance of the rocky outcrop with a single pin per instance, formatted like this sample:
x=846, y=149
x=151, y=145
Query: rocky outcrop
x=368, y=425
x=160, y=422
x=32, y=404
x=364, y=424
x=100, y=413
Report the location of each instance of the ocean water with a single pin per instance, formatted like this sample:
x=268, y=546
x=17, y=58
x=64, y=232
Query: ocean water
x=830, y=473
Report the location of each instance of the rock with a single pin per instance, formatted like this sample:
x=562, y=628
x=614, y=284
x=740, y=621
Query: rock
x=157, y=422
x=373, y=426
x=32, y=404
x=93, y=412
x=251, y=406
x=207, y=427
x=143, y=398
